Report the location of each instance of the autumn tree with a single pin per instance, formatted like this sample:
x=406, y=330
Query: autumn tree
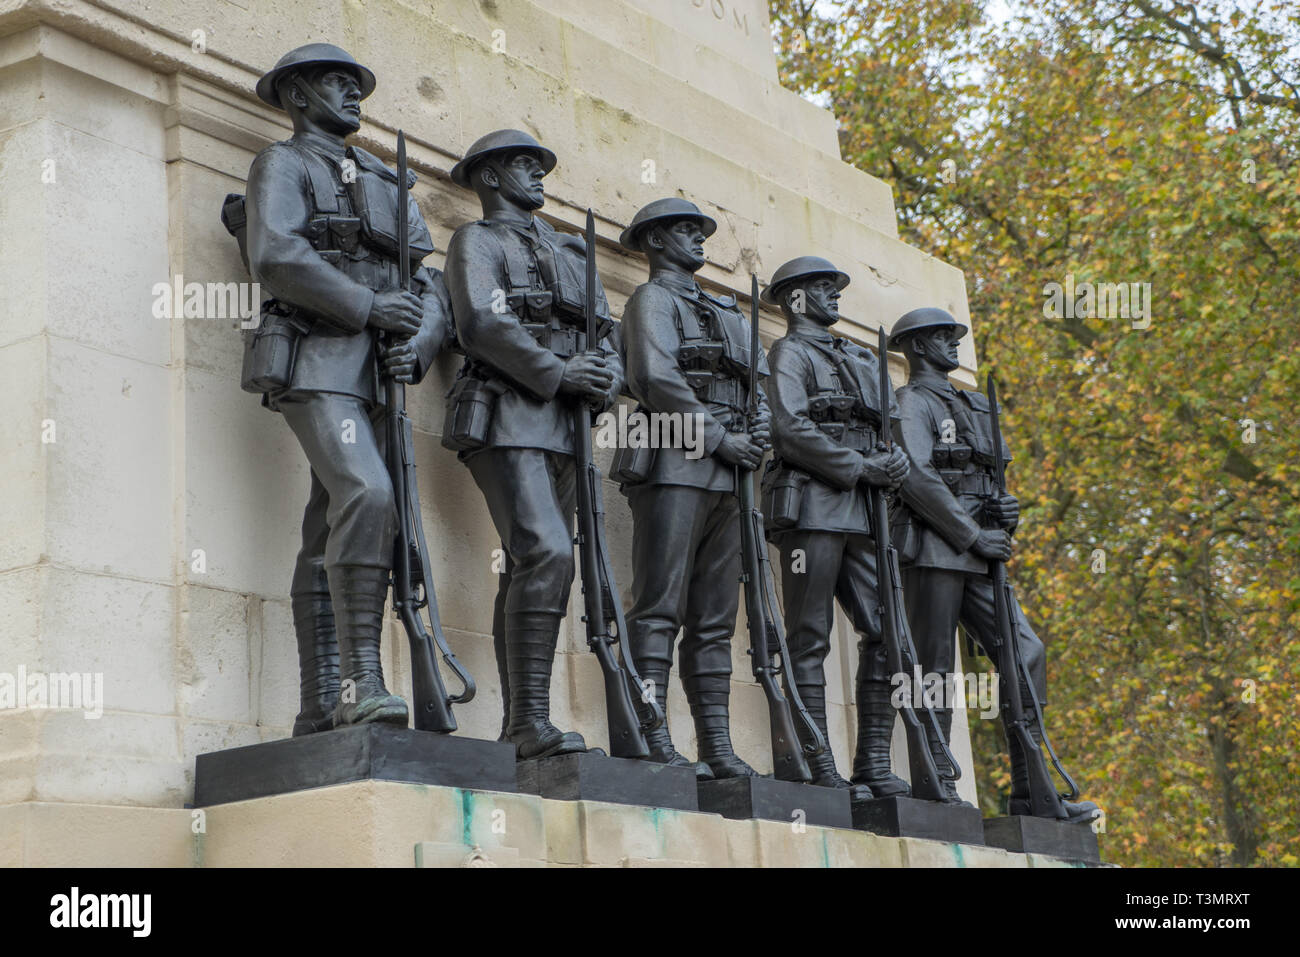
x=1091, y=142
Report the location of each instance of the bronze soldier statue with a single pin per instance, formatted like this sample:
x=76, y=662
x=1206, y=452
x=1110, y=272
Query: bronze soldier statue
x=319, y=235
x=956, y=523
x=825, y=427
x=687, y=355
x=517, y=288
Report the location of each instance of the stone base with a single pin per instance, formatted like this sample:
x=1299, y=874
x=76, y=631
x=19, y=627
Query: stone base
x=598, y=777
x=1022, y=834
x=392, y=824
x=768, y=799
x=38, y=834
x=370, y=752
x=908, y=817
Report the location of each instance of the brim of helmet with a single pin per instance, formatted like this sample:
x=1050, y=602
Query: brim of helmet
x=268, y=93
x=769, y=294
x=632, y=236
x=461, y=171
x=895, y=339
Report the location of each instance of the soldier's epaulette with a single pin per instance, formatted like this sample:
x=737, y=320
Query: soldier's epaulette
x=976, y=400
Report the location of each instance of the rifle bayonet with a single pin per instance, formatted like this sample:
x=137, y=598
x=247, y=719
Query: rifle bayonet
x=768, y=652
x=926, y=779
x=432, y=711
x=600, y=592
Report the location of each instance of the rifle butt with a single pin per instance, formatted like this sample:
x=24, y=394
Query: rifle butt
x=927, y=783
x=1044, y=801
x=788, y=762
x=431, y=709
x=625, y=737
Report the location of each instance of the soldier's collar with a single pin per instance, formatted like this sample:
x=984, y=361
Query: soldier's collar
x=688, y=288
x=534, y=227
x=820, y=336
x=327, y=146
x=676, y=282
x=934, y=381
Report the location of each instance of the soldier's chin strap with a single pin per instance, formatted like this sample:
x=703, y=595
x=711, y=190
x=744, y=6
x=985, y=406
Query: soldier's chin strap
x=313, y=97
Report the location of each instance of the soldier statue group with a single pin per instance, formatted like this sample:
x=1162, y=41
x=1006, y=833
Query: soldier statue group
x=332, y=233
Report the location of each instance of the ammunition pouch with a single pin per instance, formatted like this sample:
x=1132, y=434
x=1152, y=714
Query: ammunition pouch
x=834, y=407
x=333, y=233
x=569, y=303
x=471, y=405
x=783, y=495
x=955, y=457
x=632, y=465
x=735, y=368
x=710, y=356
x=718, y=389
x=532, y=307
x=969, y=483
x=569, y=308
x=271, y=348
x=701, y=355
x=562, y=341
x=374, y=200
x=851, y=435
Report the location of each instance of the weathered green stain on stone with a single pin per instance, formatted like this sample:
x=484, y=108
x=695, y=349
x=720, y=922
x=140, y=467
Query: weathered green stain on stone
x=467, y=818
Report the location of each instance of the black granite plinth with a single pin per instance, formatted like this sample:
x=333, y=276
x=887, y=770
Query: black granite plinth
x=368, y=752
x=773, y=800
x=598, y=777
x=909, y=817
x=1040, y=835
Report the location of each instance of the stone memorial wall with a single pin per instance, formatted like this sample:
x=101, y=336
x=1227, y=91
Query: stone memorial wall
x=150, y=514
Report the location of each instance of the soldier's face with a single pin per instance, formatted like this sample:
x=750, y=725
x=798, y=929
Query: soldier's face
x=680, y=243
x=818, y=300
x=339, y=110
x=519, y=178
x=939, y=346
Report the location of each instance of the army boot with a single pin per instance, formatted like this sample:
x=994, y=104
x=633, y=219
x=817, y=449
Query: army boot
x=822, y=766
x=318, y=659
x=358, y=593
x=871, y=761
x=708, y=696
x=530, y=653
x=659, y=740
x=317, y=653
x=1073, y=812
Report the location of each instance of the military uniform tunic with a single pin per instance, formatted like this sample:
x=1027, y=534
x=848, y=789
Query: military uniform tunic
x=526, y=469
x=686, y=525
x=949, y=438
x=825, y=417
x=327, y=277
